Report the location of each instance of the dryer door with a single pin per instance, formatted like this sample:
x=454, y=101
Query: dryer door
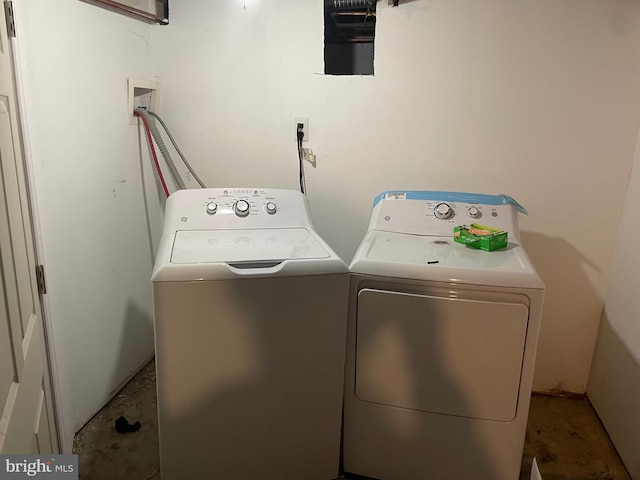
x=437, y=354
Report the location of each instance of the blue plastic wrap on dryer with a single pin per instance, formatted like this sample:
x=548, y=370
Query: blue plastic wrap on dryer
x=462, y=197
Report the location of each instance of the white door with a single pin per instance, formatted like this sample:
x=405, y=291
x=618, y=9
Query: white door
x=27, y=424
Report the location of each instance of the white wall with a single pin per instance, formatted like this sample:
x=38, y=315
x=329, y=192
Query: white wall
x=539, y=100
x=614, y=389
x=90, y=189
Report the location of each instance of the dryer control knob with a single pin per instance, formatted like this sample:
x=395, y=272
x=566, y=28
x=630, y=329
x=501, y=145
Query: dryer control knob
x=271, y=208
x=241, y=208
x=443, y=211
x=212, y=208
x=473, y=212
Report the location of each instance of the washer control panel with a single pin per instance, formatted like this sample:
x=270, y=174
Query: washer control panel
x=241, y=202
x=238, y=208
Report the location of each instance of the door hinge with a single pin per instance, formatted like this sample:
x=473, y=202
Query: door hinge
x=8, y=15
x=42, y=285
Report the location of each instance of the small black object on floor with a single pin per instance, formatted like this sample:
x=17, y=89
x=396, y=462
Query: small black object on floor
x=123, y=426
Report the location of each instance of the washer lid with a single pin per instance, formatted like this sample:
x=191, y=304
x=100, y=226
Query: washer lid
x=245, y=246
x=441, y=259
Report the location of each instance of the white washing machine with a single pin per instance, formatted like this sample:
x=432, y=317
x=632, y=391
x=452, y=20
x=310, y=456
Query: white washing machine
x=441, y=342
x=250, y=310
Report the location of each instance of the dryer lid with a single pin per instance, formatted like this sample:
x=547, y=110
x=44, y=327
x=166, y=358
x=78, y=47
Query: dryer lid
x=245, y=246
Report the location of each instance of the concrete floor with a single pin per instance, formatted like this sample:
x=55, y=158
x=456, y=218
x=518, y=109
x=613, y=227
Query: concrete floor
x=564, y=434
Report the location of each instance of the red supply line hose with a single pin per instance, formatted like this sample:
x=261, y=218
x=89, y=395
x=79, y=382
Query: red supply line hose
x=153, y=153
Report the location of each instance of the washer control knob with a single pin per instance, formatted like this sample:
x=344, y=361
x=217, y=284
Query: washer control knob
x=443, y=211
x=212, y=208
x=473, y=212
x=241, y=208
x=271, y=208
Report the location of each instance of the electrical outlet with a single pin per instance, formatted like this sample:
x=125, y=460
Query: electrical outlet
x=305, y=127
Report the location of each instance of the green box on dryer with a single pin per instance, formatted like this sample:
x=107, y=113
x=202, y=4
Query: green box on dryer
x=480, y=236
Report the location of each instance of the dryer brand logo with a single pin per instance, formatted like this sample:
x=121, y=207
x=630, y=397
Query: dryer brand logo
x=51, y=467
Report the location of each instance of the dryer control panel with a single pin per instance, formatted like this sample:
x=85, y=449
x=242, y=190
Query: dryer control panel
x=236, y=208
x=437, y=213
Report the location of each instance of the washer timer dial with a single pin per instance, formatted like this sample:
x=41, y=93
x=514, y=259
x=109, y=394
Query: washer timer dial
x=241, y=208
x=443, y=211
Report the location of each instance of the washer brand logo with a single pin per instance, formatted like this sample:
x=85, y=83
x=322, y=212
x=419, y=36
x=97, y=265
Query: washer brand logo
x=51, y=467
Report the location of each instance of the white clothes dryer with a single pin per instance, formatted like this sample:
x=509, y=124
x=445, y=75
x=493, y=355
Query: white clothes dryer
x=250, y=312
x=441, y=342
